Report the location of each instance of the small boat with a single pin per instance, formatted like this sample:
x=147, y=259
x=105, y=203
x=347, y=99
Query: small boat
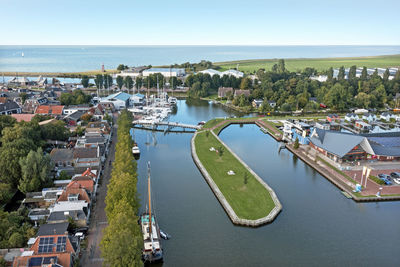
x=164, y=235
x=135, y=149
x=172, y=100
x=22, y=54
x=152, y=251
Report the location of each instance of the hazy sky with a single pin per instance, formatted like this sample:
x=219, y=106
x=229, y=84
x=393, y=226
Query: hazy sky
x=205, y=22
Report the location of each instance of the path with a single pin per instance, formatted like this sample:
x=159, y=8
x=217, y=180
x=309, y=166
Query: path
x=92, y=255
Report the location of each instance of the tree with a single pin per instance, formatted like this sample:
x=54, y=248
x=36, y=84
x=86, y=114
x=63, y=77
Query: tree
x=122, y=67
x=35, y=170
x=6, y=121
x=16, y=240
x=23, y=97
x=245, y=83
x=55, y=131
x=330, y=74
x=364, y=74
x=120, y=81
x=85, y=81
x=296, y=143
x=99, y=81
x=386, y=75
x=341, y=74
x=220, y=151
x=245, y=178
x=139, y=83
x=128, y=82
x=352, y=72
x=86, y=117
x=281, y=66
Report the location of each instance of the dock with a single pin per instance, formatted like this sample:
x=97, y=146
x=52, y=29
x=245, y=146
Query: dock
x=165, y=126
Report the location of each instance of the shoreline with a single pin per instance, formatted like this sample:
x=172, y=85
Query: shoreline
x=247, y=63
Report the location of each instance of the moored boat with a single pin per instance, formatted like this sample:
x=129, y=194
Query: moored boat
x=152, y=251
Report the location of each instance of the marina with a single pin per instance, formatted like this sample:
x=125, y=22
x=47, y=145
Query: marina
x=297, y=185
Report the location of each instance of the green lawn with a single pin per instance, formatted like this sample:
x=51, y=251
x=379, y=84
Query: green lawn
x=249, y=201
x=320, y=64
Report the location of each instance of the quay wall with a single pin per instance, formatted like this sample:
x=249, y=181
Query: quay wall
x=221, y=198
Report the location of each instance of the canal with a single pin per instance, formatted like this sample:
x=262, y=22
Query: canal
x=317, y=226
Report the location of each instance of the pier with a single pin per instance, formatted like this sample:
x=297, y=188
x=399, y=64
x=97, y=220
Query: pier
x=165, y=126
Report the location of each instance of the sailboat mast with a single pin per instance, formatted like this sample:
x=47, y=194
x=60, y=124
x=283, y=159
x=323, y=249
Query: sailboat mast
x=148, y=185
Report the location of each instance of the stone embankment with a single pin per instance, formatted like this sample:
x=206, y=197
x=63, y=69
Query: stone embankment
x=221, y=198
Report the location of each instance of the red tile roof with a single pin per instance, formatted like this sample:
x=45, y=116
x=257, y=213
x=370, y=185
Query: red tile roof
x=82, y=182
x=49, y=109
x=83, y=195
x=23, y=117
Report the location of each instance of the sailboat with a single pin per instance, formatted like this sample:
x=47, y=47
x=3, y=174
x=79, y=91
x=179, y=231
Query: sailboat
x=152, y=251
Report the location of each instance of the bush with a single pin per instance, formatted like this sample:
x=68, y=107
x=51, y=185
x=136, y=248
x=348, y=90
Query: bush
x=296, y=143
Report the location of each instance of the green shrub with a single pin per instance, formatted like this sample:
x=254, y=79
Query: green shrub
x=376, y=180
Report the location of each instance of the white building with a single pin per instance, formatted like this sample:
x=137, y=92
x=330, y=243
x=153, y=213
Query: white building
x=166, y=72
x=211, y=72
x=235, y=73
x=386, y=116
x=351, y=117
x=369, y=117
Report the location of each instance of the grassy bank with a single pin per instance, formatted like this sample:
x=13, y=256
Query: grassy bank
x=318, y=63
x=249, y=200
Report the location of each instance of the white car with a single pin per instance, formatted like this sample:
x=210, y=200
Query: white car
x=396, y=180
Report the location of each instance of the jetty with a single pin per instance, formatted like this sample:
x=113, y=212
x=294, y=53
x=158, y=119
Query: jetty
x=167, y=125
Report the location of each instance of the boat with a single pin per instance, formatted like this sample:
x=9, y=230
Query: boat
x=22, y=54
x=152, y=251
x=135, y=149
x=172, y=100
x=164, y=235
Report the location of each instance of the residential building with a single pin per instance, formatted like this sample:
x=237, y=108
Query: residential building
x=386, y=116
x=370, y=117
x=225, y=91
x=351, y=117
x=246, y=93
x=23, y=117
x=9, y=107
x=332, y=117
x=53, y=110
x=257, y=103
x=63, y=158
x=86, y=157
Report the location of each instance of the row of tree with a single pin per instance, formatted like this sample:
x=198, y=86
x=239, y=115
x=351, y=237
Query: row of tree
x=77, y=97
x=122, y=241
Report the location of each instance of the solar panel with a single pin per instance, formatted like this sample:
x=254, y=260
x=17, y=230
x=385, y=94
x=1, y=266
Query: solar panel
x=45, y=248
x=60, y=248
x=35, y=262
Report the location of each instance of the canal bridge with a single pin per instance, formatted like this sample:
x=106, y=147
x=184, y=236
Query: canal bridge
x=165, y=126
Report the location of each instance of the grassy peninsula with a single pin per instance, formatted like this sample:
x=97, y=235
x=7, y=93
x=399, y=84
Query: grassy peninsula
x=249, y=199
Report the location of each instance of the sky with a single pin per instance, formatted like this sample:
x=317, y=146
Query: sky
x=205, y=22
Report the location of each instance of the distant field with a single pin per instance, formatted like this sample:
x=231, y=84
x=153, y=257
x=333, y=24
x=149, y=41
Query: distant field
x=249, y=66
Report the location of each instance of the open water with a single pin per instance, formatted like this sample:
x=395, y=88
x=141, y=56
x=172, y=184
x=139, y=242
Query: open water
x=81, y=58
x=318, y=226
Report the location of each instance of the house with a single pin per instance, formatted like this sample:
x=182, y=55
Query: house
x=103, y=126
x=73, y=118
x=54, y=249
x=246, y=93
x=53, y=229
x=63, y=158
x=86, y=157
x=323, y=126
x=53, y=110
x=9, y=107
x=257, y=103
x=78, y=216
x=97, y=112
x=369, y=117
x=362, y=125
x=120, y=100
x=23, y=117
x=272, y=104
x=332, y=117
x=85, y=182
x=351, y=117
x=42, y=199
x=225, y=91
x=31, y=104
x=386, y=116
x=74, y=108
x=38, y=214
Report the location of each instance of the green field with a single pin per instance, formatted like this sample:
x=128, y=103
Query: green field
x=249, y=201
x=321, y=64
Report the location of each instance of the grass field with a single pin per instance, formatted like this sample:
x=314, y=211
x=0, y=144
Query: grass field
x=249, y=66
x=249, y=201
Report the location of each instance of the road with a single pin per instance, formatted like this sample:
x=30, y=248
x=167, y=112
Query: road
x=92, y=255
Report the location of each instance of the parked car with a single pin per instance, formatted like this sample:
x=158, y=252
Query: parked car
x=387, y=181
x=396, y=180
x=384, y=176
x=395, y=174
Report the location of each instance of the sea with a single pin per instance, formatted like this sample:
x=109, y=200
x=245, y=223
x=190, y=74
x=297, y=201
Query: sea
x=21, y=58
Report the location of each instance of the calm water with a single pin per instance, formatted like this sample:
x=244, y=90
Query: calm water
x=317, y=227
x=80, y=58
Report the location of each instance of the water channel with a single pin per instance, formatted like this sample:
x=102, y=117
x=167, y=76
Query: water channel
x=318, y=225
